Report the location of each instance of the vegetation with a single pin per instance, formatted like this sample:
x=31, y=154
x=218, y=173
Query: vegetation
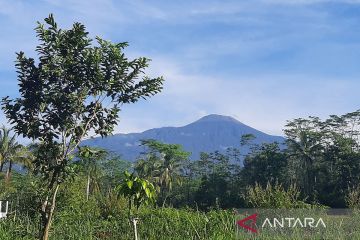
x=76, y=89
x=274, y=197
x=137, y=191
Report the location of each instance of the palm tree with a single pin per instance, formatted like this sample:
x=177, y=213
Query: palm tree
x=88, y=158
x=11, y=152
x=305, y=144
x=148, y=167
x=23, y=157
x=163, y=164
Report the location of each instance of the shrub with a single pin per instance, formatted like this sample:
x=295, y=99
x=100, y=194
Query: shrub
x=352, y=199
x=274, y=197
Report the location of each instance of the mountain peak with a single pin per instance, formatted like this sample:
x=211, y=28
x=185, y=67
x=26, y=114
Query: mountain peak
x=217, y=118
x=208, y=134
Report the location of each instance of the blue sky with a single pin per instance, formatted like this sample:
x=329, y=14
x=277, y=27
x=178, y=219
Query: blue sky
x=260, y=61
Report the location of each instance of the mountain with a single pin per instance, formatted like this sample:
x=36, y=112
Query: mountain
x=208, y=134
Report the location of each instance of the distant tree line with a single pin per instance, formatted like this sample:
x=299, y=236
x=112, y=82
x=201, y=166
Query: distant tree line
x=321, y=158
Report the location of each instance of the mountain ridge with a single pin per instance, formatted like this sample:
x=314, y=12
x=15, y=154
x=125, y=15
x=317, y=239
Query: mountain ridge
x=208, y=134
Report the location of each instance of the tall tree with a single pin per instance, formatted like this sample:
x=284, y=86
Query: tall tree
x=163, y=163
x=324, y=156
x=304, y=147
x=217, y=186
x=8, y=146
x=265, y=164
x=12, y=152
x=89, y=158
x=112, y=167
x=340, y=166
x=73, y=89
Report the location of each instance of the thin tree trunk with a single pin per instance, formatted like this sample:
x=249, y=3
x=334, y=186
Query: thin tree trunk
x=8, y=172
x=2, y=166
x=166, y=197
x=88, y=188
x=47, y=211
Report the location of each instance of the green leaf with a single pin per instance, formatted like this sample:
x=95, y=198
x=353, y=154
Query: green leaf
x=130, y=184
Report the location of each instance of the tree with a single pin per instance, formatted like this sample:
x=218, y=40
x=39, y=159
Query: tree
x=265, y=164
x=89, y=158
x=304, y=147
x=164, y=164
x=74, y=89
x=217, y=186
x=12, y=152
x=113, y=168
x=139, y=192
x=8, y=146
x=323, y=156
x=339, y=169
x=22, y=157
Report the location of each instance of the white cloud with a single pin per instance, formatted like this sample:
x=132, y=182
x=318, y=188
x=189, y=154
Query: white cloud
x=263, y=101
x=128, y=144
x=258, y=30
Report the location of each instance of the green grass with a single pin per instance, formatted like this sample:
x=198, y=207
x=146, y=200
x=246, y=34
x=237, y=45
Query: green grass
x=162, y=223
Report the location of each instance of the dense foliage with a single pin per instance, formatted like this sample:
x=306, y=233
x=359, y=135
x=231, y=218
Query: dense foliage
x=74, y=88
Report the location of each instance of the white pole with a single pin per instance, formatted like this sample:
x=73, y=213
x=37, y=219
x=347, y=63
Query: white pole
x=135, y=220
x=7, y=207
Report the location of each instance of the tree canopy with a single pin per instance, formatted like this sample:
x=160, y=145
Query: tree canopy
x=73, y=89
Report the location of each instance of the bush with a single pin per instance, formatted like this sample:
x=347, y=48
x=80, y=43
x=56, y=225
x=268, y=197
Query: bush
x=352, y=199
x=274, y=197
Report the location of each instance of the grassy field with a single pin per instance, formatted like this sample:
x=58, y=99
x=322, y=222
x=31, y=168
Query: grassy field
x=166, y=223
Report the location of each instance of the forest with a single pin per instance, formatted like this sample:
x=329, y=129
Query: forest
x=58, y=188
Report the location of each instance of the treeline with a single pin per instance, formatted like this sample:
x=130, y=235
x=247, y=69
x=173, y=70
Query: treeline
x=316, y=166
x=320, y=159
